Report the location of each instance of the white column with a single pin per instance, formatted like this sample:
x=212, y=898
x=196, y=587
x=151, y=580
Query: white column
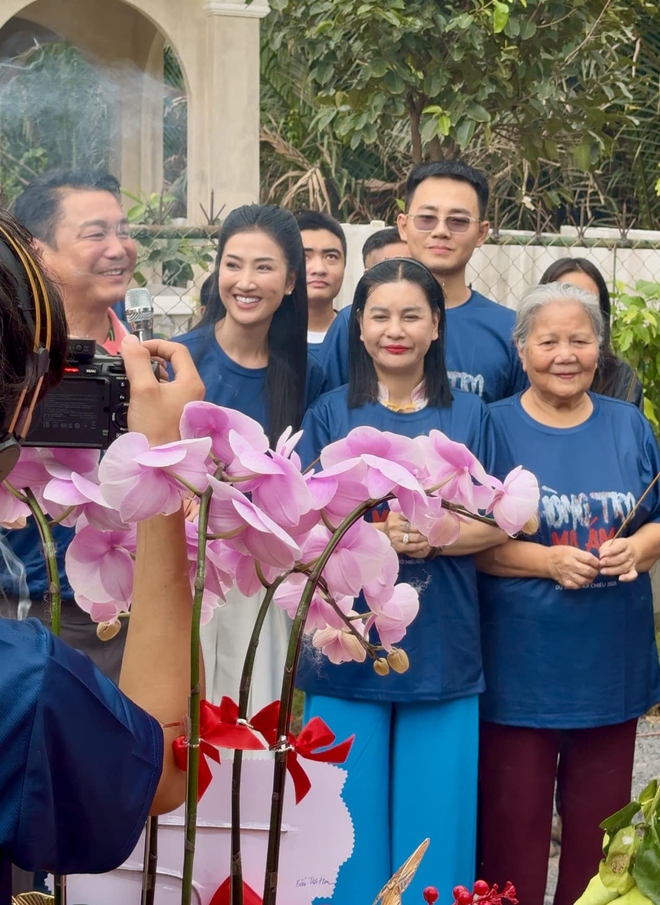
x=223, y=143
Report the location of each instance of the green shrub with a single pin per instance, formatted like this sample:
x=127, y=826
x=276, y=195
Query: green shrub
x=636, y=339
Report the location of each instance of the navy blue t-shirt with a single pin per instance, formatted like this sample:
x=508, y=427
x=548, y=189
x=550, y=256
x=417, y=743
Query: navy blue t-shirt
x=557, y=658
x=480, y=354
x=25, y=544
x=230, y=384
x=443, y=640
x=80, y=762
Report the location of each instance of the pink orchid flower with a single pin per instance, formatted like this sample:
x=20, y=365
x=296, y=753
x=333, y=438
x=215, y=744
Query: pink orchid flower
x=13, y=513
x=248, y=529
x=320, y=612
x=99, y=565
x=277, y=486
x=81, y=495
x=286, y=445
x=456, y=469
x=516, y=500
x=30, y=472
x=393, y=613
x=101, y=612
x=204, y=419
x=372, y=477
x=357, y=559
x=338, y=643
x=61, y=463
x=382, y=584
x=246, y=577
x=440, y=526
x=141, y=482
x=372, y=442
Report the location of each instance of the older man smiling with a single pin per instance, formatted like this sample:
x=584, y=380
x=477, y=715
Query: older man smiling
x=84, y=240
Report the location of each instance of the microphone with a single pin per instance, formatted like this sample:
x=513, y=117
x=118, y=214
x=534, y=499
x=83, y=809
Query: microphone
x=140, y=313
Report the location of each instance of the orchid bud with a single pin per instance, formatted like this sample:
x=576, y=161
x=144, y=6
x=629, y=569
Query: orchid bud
x=381, y=666
x=398, y=660
x=106, y=631
x=354, y=646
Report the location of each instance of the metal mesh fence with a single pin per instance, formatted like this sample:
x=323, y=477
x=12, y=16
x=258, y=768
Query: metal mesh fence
x=174, y=261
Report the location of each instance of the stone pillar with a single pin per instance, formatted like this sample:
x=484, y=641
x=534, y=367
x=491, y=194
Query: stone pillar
x=223, y=146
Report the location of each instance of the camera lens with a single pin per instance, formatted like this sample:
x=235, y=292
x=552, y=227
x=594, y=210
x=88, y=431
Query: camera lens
x=121, y=417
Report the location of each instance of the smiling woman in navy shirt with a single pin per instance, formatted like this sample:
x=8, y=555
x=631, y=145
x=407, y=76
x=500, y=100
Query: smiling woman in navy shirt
x=567, y=618
x=414, y=761
x=250, y=349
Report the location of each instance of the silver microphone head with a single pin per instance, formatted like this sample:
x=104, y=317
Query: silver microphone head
x=140, y=313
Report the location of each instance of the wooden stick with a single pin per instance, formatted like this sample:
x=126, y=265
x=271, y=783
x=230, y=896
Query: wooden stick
x=639, y=502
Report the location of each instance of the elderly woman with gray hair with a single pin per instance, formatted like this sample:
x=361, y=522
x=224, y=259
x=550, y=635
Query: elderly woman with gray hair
x=567, y=620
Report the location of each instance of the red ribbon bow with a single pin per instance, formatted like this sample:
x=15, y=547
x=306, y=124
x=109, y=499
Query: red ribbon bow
x=223, y=895
x=316, y=734
x=218, y=728
x=226, y=731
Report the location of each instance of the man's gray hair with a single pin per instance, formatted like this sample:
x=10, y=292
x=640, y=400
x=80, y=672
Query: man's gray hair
x=538, y=297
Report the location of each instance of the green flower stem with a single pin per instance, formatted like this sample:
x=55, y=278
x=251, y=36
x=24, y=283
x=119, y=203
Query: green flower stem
x=237, y=767
x=194, y=706
x=60, y=519
x=286, y=701
x=54, y=591
x=50, y=555
x=150, y=864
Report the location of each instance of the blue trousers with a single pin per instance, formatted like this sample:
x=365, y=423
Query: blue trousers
x=412, y=774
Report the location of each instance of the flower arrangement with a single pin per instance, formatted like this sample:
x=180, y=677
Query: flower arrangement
x=263, y=523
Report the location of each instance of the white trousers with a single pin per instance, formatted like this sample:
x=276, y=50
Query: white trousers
x=225, y=642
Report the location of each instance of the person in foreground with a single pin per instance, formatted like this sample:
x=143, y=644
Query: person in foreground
x=567, y=619
x=251, y=351
x=84, y=763
x=614, y=377
x=412, y=771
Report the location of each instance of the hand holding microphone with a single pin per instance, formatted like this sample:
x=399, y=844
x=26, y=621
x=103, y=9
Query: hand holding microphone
x=139, y=306
x=140, y=313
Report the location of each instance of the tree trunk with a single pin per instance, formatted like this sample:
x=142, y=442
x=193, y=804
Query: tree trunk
x=415, y=106
x=435, y=149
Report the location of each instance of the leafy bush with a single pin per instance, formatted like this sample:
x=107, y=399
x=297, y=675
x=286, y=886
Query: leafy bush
x=636, y=339
x=175, y=259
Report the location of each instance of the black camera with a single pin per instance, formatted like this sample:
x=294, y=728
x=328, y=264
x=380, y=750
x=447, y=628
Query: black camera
x=89, y=408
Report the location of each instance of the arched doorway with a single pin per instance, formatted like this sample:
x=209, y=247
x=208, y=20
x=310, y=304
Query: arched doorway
x=71, y=96
x=216, y=43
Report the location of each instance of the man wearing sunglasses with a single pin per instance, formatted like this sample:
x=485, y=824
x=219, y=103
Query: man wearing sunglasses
x=444, y=223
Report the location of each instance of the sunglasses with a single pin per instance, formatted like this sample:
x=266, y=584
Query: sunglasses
x=455, y=223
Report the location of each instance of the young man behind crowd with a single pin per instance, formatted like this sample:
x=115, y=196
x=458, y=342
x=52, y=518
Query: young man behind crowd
x=325, y=255
x=444, y=223
x=83, y=238
x=383, y=244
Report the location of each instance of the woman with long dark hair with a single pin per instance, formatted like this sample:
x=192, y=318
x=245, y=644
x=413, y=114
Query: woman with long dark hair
x=614, y=377
x=413, y=765
x=250, y=349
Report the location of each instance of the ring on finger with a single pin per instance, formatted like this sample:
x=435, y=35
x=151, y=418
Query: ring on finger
x=405, y=538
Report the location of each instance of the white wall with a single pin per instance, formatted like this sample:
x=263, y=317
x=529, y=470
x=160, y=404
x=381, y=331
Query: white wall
x=503, y=272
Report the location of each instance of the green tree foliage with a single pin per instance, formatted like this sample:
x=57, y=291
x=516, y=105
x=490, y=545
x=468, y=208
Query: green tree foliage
x=636, y=338
x=526, y=72
x=550, y=97
x=54, y=112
